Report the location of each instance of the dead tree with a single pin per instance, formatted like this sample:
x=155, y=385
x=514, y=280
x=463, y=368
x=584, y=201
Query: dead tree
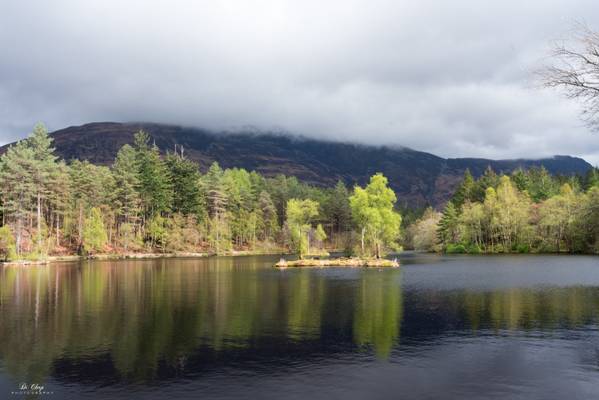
x=575, y=70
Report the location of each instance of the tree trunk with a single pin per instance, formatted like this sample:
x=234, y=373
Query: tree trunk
x=19, y=234
x=39, y=221
x=299, y=247
x=362, y=240
x=57, y=230
x=80, y=227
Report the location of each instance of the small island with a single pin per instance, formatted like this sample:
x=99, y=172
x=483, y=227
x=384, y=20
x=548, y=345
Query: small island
x=338, y=262
x=373, y=212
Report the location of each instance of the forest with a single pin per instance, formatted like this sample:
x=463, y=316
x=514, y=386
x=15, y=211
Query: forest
x=146, y=202
x=526, y=211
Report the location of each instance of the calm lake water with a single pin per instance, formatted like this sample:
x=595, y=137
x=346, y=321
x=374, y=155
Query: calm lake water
x=233, y=328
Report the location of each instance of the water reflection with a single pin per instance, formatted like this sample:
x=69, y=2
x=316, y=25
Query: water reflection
x=132, y=321
x=139, y=315
x=378, y=312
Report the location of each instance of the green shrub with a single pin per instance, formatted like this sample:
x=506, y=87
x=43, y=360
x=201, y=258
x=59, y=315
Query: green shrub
x=522, y=248
x=7, y=244
x=498, y=248
x=473, y=249
x=455, y=249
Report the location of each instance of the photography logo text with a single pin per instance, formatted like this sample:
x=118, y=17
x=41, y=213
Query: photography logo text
x=26, y=389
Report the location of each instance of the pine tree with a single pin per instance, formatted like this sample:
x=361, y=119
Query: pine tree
x=487, y=180
x=591, y=179
x=18, y=187
x=44, y=166
x=59, y=198
x=337, y=208
x=268, y=220
x=241, y=202
x=542, y=185
x=215, y=192
x=465, y=190
x=126, y=178
x=187, y=196
x=521, y=180
x=216, y=199
x=448, y=231
x=155, y=181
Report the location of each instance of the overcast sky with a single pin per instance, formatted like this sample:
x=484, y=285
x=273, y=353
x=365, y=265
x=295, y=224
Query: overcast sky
x=449, y=77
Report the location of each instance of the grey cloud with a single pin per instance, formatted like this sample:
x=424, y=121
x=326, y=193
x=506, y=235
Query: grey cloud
x=451, y=78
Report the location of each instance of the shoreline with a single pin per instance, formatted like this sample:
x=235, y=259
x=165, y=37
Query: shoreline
x=139, y=256
x=235, y=253
x=514, y=253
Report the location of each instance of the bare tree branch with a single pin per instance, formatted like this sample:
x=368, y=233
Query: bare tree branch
x=575, y=70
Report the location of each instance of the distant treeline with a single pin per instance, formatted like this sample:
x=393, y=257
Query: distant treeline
x=526, y=211
x=148, y=202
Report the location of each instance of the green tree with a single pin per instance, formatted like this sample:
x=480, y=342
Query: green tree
x=92, y=187
x=216, y=199
x=44, y=166
x=127, y=237
x=489, y=179
x=241, y=202
x=60, y=198
x=26, y=174
x=373, y=214
x=491, y=223
x=472, y=222
x=557, y=217
x=18, y=187
x=219, y=234
x=300, y=214
x=214, y=190
x=157, y=231
x=267, y=219
x=424, y=231
x=591, y=178
x=541, y=184
x=465, y=190
x=512, y=213
x=588, y=217
x=7, y=244
x=155, y=187
x=521, y=179
x=449, y=231
x=338, y=209
x=319, y=236
x=185, y=175
x=94, y=232
x=127, y=184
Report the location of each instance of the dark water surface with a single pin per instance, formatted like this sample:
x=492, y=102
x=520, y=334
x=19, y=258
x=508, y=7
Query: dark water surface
x=438, y=327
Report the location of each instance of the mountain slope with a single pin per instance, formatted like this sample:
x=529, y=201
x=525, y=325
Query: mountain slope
x=419, y=178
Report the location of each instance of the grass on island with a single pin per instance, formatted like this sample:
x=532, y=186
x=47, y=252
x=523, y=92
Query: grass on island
x=338, y=262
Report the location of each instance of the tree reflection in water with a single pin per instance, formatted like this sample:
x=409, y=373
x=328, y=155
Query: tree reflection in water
x=141, y=316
